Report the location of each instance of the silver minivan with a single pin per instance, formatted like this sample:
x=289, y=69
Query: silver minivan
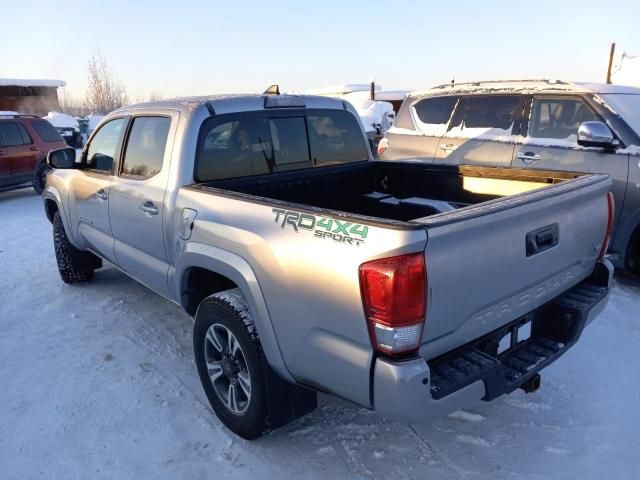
x=532, y=124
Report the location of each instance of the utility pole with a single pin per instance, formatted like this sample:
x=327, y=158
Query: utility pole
x=372, y=90
x=613, y=49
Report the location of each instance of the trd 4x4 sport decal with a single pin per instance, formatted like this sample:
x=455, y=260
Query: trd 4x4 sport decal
x=322, y=227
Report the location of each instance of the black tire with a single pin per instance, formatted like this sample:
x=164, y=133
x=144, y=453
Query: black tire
x=74, y=265
x=229, y=310
x=40, y=176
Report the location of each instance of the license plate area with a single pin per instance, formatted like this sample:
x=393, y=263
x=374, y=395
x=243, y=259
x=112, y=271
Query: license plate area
x=518, y=332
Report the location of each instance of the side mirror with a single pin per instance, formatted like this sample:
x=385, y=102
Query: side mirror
x=63, y=158
x=596, y=134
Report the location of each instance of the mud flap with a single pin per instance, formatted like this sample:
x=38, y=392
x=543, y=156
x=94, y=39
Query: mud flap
x=286, y=401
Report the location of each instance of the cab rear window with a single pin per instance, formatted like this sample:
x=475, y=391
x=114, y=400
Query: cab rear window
x=253, y=143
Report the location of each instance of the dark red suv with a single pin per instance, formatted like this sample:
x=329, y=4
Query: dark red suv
x=25, y=141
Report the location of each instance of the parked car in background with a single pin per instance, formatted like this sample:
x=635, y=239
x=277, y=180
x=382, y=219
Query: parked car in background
x=68, y=127
x=25, y=141
x=311, y=267
x=532, y=124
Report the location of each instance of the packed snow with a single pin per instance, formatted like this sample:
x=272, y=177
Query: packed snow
x=98, y=381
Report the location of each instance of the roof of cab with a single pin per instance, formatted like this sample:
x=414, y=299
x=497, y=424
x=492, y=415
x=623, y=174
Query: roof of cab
x=524, y=86
x=230, y=103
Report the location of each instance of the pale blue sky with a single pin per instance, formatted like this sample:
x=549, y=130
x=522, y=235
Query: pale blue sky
x=199, y=47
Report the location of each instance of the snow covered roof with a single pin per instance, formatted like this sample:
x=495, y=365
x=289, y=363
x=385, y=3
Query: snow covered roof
x=525, y=86
x=380, y=95
x=31, y=82
x=342, y=89
x=61, y=120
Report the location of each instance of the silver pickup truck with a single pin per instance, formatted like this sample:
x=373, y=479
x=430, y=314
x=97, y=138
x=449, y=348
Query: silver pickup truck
x=406, y=288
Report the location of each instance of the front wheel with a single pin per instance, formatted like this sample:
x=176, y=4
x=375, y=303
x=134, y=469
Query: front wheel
x=74, y=265
x=40, y=176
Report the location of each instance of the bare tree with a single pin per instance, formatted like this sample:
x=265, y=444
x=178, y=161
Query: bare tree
x=105, y=93
x=152, y=97
x=70, y=105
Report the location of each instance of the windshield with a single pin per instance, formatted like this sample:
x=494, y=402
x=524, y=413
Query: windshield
x=627, y=105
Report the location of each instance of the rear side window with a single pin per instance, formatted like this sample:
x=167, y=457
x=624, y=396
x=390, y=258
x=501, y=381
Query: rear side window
x=144, y=153
x=234, y=146
x=492, y=112
x=10, y=135
x=46, y=131
x=435, y=110
x=26, y=138
x=254, y=143
x=433, y=114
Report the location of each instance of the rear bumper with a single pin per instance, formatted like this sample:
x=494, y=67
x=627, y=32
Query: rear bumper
x=418, y=390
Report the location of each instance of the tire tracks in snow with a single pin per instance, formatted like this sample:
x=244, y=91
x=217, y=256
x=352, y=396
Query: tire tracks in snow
x=436, y=452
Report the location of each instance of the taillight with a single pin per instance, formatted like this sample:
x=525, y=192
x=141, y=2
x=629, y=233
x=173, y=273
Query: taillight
x=607, y=235
x=394, y=295
x=382, y=146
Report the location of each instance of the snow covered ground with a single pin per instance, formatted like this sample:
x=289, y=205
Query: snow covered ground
x=98, y=381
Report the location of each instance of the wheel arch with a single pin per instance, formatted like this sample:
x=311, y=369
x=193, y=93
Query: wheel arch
x=50, y=208
x=627, y=232
x=633, y=243
x=205, y=270
x=52, y=202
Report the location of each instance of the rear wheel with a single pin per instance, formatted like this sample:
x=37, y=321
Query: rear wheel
x=40, y=176
x=243, y=390
x=74, y=265
x=231, y=364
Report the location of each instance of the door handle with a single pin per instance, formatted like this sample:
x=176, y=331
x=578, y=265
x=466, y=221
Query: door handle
x=528, y=157
x=101, y=194
x=149, y=208
x=34, y=149
x=448, y=147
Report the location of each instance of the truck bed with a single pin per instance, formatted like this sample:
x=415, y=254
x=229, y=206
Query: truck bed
x=498, y=244
x=391, y=193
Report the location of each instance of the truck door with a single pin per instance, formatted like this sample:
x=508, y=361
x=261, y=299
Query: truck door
x=89, y=195
x=481, y=132
x=137, y=207
x=549, y=142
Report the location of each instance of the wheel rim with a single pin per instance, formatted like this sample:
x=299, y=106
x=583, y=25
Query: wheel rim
x=227, y=368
